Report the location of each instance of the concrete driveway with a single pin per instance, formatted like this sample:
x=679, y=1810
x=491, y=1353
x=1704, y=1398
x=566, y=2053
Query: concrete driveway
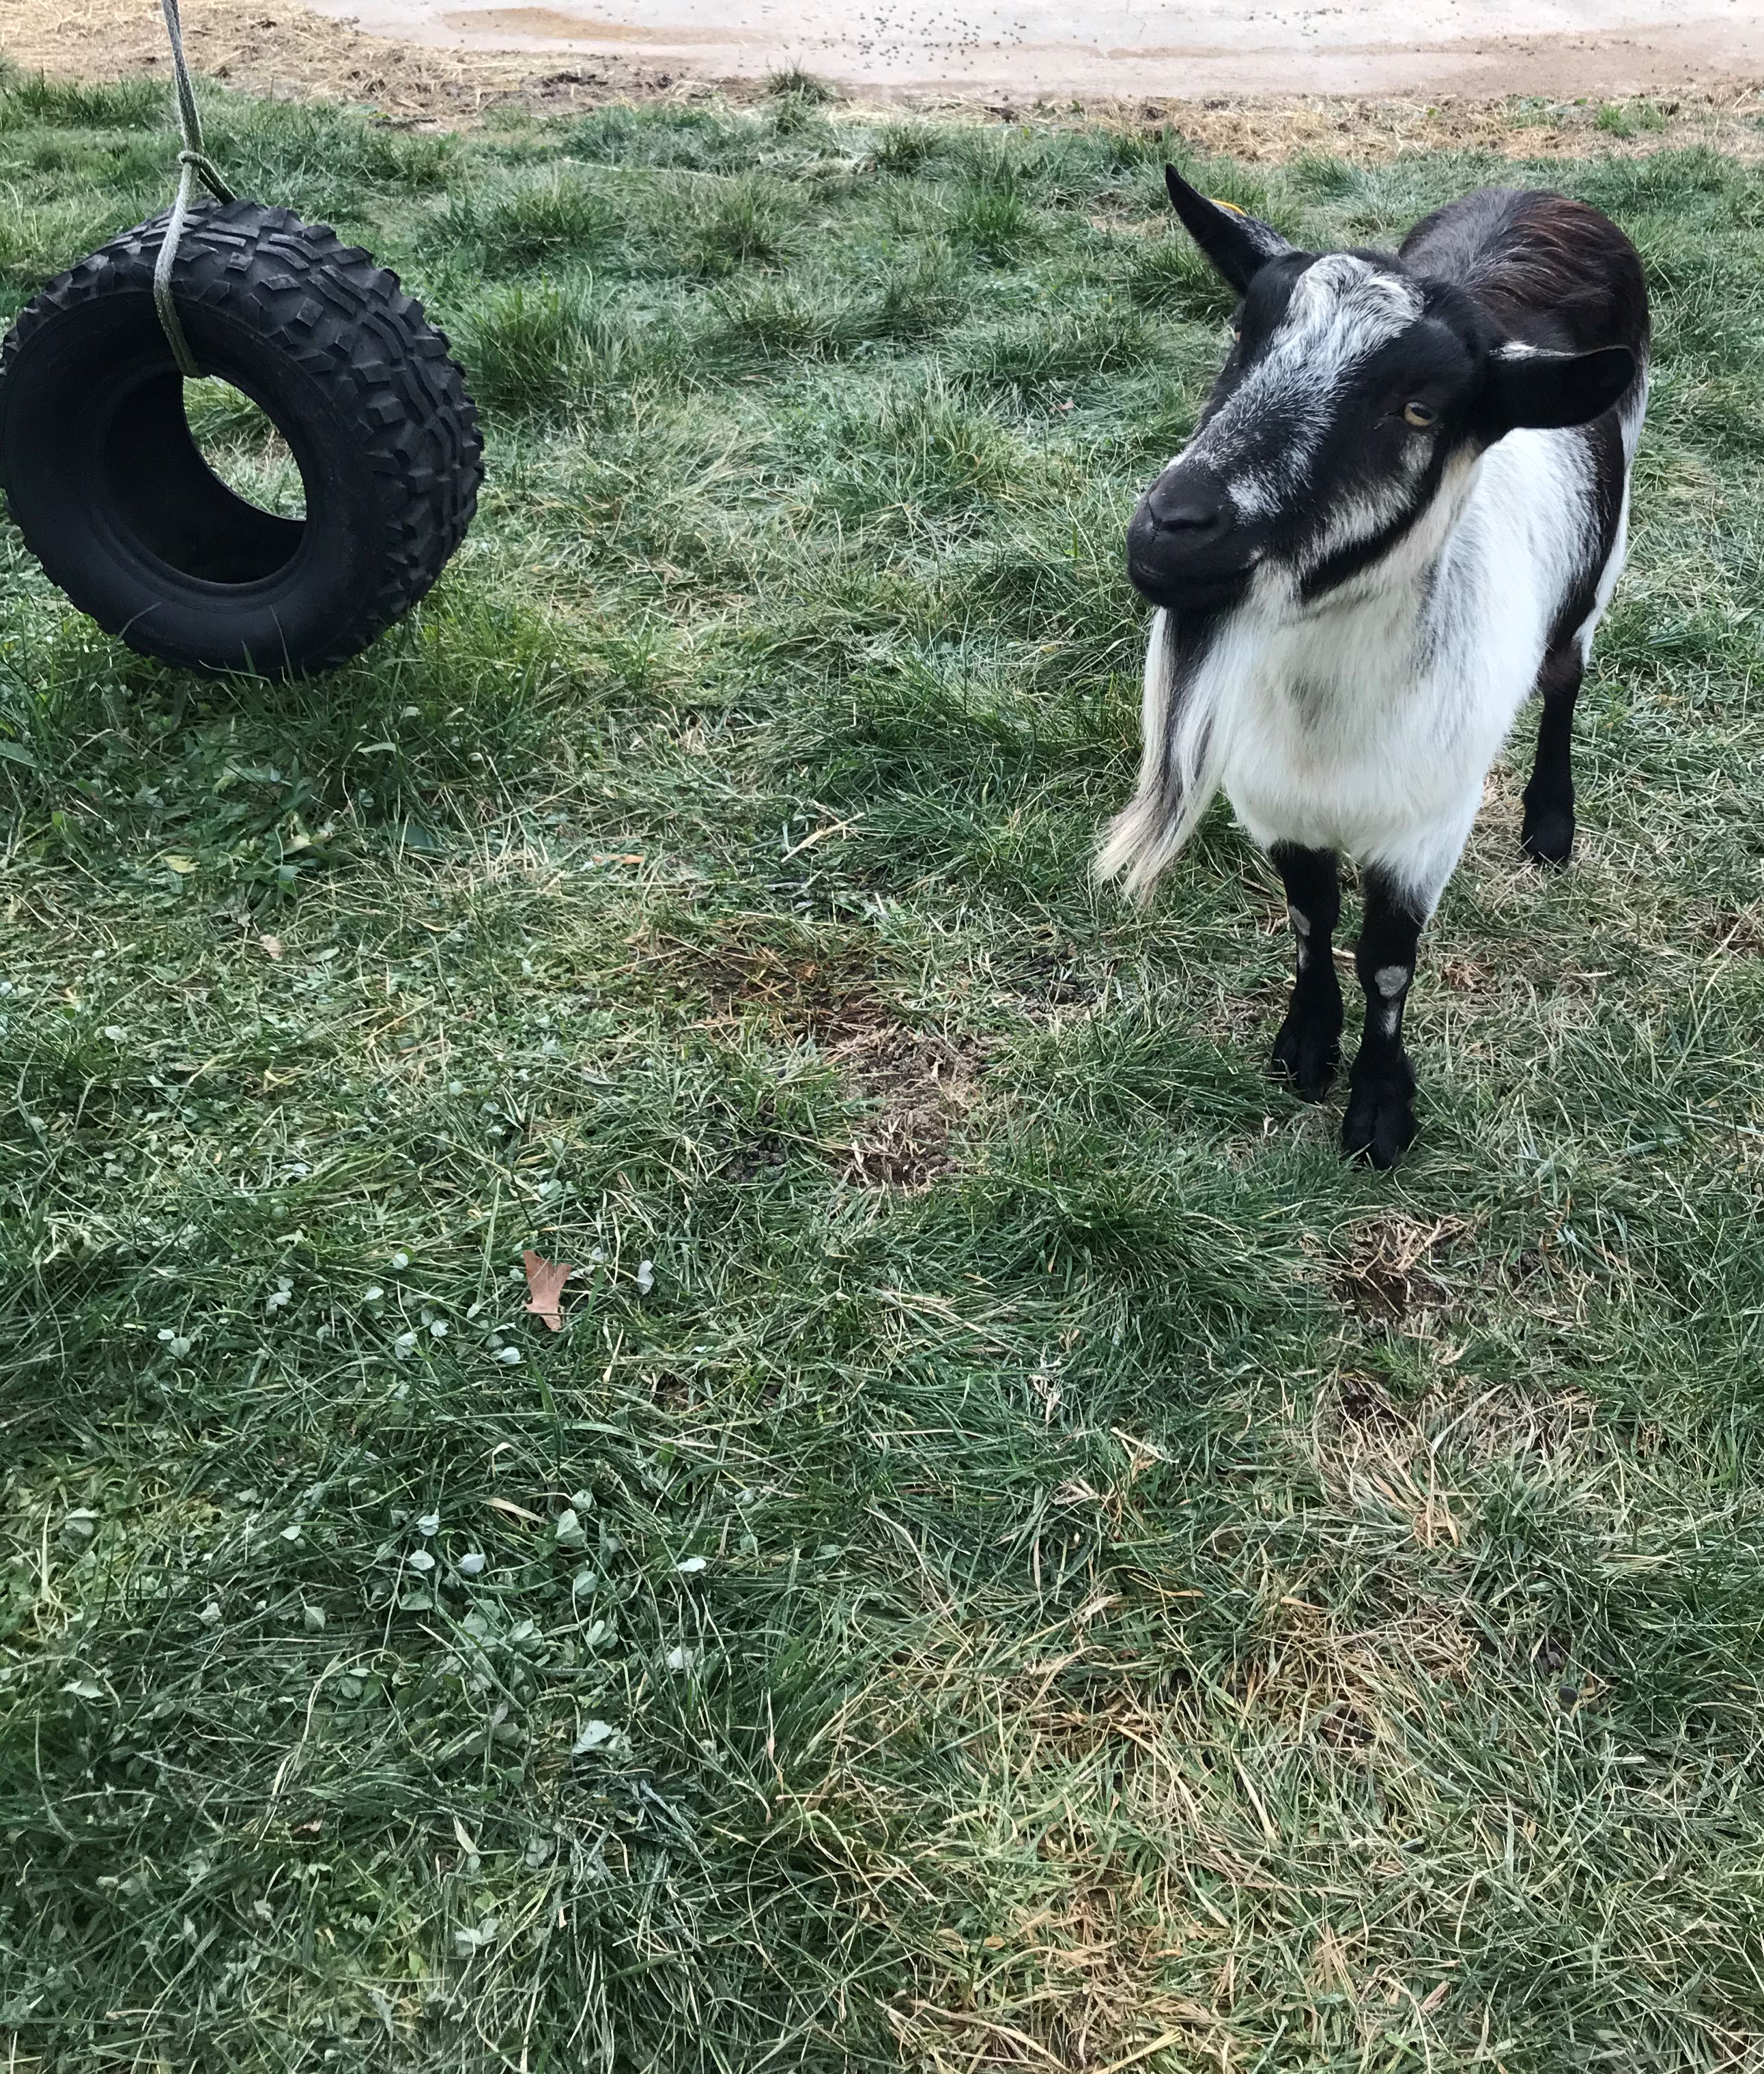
x=1562, y=48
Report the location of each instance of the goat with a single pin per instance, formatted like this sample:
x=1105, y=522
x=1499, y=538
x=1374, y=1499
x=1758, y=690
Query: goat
x=1404, y=506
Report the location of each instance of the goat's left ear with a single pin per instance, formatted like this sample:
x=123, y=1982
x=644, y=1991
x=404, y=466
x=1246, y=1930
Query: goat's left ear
x=1547, y=390
x=1239, y=245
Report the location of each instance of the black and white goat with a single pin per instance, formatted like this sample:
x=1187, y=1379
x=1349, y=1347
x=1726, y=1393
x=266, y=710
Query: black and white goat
x=1404, y=507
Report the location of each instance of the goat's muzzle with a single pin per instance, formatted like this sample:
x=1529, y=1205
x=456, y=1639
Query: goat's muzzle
x=1185, y=546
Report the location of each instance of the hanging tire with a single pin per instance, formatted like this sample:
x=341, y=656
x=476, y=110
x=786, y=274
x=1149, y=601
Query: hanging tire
x=111, y=492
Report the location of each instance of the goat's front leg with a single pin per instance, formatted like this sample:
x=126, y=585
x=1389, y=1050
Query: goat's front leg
x=1308, y=1048
x=1379, y=1122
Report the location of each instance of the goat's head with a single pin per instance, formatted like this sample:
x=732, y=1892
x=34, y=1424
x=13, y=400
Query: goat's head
x=1353, y=385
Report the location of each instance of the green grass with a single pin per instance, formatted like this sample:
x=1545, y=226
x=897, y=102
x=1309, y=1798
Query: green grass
x=1167, y=1599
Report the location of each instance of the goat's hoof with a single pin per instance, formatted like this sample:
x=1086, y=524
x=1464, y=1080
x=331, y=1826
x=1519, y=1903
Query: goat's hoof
x=1548, y=836
x=1380, y=1122
x=1306, y=1054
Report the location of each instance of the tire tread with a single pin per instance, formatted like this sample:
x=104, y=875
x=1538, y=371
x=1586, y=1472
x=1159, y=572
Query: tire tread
x=352, y=327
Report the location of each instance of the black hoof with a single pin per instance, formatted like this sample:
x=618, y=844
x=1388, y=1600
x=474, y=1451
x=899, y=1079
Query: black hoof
x=1306, y=1054
x=1380, y=1122
x=1548, y=836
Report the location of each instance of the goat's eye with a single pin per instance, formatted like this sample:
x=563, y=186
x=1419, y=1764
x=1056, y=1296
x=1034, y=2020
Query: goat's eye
x=1419, y=414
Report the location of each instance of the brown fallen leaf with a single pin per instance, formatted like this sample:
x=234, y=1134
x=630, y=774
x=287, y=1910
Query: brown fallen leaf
x=545, y=1280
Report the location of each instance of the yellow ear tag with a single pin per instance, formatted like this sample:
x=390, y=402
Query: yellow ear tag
x=1230, y=205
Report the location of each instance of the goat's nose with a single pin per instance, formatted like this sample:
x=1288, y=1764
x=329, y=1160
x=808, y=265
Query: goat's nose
x=1196, y=512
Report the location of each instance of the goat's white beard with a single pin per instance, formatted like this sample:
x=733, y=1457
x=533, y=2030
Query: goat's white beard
x=1176, y=784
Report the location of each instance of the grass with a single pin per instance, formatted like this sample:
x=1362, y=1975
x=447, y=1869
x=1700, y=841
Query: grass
x=1020, y=1558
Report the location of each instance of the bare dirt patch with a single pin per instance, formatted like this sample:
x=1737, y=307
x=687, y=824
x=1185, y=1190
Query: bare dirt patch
x=285, y=49
x=919, y=1085
x=915, y=1085
x=1383, y=1272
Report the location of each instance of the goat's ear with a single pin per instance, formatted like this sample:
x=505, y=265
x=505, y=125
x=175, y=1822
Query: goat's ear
x=1547, y=391
x=1238, y=246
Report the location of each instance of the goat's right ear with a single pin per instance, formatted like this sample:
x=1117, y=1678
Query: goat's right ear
x=1545, y=391
x=1238, y=246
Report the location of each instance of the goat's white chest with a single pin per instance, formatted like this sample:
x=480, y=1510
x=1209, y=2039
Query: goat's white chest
x=1369, y=727
x=1340, y=742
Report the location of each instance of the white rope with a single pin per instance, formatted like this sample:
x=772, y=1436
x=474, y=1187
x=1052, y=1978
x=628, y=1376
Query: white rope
x=194, y=164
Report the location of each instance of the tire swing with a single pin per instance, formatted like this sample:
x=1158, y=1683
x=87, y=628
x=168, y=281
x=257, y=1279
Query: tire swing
x=111, y=494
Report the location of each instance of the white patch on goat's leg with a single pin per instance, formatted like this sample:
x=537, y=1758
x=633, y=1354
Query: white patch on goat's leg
x=1391, y=981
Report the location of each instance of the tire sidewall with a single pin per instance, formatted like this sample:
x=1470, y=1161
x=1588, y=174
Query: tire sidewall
x=332, y=579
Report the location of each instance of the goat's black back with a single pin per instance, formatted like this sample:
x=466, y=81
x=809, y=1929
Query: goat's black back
x=1549, y=271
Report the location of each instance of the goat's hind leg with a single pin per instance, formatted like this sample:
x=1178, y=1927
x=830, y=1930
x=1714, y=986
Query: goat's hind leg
x=1308, y=1048
x=1546, y=834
